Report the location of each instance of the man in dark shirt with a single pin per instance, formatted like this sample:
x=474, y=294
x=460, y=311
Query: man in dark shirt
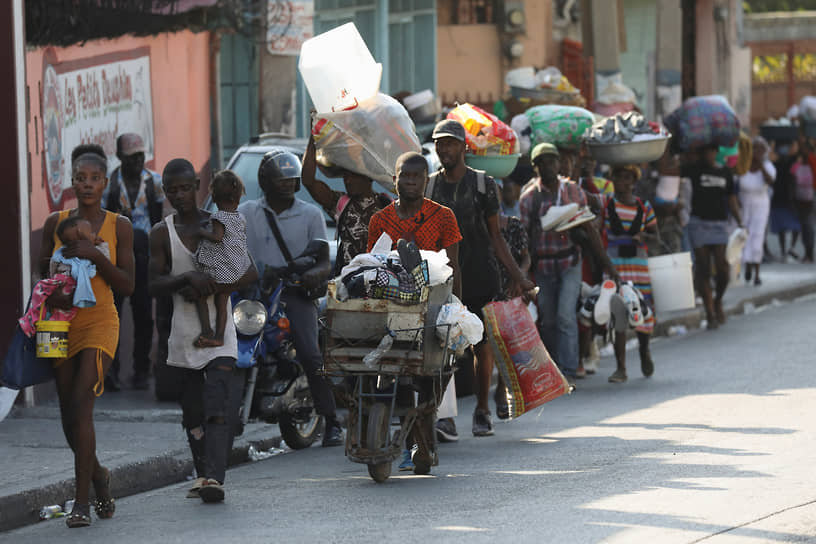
x=351, y=210
x=474, y=200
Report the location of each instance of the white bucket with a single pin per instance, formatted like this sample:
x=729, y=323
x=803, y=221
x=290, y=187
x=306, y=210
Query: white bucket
x=672, y=282
x=338, y=69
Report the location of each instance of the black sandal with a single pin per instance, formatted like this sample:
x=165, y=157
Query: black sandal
x=105, y=507
x=80, y=516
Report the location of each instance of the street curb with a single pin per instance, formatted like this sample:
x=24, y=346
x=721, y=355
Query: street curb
x=693, y=318
x=23, y=508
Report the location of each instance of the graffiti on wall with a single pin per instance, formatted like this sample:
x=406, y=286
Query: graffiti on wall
x=92, y=101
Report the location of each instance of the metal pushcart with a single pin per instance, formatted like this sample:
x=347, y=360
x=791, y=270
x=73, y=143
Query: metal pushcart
x=376, y=395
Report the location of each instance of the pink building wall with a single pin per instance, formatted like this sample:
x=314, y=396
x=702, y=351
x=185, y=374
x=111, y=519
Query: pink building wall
x=180, y=89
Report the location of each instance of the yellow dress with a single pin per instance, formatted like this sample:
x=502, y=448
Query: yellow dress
x=96, y=327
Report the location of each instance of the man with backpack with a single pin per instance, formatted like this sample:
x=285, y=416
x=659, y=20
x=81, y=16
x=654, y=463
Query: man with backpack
x=135, y=192
x=474, y=199
x=351, y=210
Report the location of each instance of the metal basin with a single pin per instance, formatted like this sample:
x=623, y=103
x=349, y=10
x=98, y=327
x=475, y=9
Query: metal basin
x=628, y=152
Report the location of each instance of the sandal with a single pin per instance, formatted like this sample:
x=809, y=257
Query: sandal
x=619, y=376
x=80, y=516
x=105, y=507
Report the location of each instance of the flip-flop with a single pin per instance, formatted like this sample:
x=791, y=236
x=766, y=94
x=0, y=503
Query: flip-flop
x=602, y=311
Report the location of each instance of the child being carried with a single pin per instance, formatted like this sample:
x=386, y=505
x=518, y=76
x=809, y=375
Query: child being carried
x=71, y=275
x=222, y=253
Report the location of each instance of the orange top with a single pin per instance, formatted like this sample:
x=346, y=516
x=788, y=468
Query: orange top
x=433, y=228
x=96, y=327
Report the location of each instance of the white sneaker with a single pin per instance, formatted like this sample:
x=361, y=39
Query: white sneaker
x=556, y=215
x=602, y=311
x=582, y=216
x=634, y=312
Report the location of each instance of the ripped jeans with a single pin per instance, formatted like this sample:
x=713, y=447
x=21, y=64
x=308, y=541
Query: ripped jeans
x=207, y=404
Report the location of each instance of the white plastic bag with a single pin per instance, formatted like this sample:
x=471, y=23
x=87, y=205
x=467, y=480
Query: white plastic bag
x=447, y=408
x=367, y=139
x=466, y=329
x=733, y=251
x=521, y=124
x=613, y=90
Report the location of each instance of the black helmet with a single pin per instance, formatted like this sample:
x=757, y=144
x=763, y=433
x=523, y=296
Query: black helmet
x=276, y=165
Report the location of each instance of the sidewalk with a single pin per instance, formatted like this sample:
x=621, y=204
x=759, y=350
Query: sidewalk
x=142, y=441
x=138, y=438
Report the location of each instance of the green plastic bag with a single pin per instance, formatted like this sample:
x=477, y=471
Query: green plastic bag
x=563, y=126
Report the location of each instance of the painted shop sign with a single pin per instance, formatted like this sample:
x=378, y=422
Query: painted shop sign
x=289, y=24
x=92, y=100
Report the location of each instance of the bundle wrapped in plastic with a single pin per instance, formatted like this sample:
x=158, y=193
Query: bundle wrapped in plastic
x=701, y=121
x=559, y=125
x=485, y=133
x=367, y=139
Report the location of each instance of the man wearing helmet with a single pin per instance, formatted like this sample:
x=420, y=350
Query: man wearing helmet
x=299, y=223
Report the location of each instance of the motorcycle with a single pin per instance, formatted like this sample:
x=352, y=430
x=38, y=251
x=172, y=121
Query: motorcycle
x=276, y=388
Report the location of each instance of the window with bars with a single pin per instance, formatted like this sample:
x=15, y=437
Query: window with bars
x=468, y=12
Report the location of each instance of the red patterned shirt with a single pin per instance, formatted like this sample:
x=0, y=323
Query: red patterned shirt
x=433, y=228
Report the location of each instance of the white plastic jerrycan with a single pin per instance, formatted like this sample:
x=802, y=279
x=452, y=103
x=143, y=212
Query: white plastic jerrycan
x=338, y=69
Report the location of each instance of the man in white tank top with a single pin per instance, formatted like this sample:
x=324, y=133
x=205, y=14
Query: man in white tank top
x=206, y=400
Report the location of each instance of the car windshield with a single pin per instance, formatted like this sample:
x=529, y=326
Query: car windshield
x=246, y=166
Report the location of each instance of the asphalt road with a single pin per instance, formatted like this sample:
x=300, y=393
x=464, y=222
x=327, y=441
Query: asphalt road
x=717, y=447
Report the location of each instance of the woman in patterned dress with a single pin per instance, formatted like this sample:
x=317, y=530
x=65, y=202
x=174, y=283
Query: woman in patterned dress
x=628, y=222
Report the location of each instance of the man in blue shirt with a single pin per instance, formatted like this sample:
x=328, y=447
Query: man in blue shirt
x=299, y=223
x=135, y=192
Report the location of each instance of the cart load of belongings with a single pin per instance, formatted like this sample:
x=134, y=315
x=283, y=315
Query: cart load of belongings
x=702, y=121
x=531, y=375
x=366, y=139
x=382, y=274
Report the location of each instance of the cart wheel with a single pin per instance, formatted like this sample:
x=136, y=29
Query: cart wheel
x=377, y=438
x=379, y=473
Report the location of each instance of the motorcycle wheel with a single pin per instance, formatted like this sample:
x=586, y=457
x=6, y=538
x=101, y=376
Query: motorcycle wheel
x=377, y=437
x=300, y=435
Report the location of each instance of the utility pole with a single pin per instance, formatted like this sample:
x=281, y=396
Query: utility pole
x=15, y=222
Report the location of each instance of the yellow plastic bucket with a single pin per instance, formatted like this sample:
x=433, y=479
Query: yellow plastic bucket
x=52, y=338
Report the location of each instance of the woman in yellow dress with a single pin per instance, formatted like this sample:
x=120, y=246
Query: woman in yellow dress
x=94, y=332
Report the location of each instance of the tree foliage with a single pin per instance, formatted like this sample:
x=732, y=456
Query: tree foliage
x=759, y=6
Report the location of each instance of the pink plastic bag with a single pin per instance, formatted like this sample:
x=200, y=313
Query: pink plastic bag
x=528, y=370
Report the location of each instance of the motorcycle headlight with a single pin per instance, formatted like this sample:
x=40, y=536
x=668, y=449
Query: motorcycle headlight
x=249, y=317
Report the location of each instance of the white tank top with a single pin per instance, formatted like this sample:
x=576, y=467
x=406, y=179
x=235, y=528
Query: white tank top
x=185, y=327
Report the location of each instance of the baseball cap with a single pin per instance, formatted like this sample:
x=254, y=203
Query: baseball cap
x=130, y=143
x=448, y=128
x=543, y=148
